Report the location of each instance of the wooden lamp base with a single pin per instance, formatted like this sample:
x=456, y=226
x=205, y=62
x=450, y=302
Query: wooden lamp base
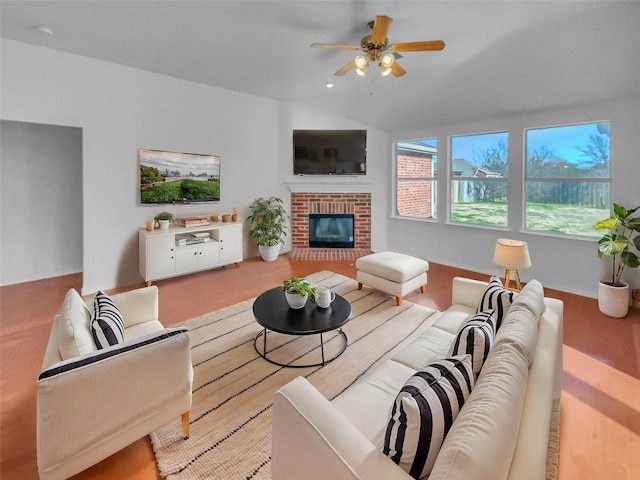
x=507, y=278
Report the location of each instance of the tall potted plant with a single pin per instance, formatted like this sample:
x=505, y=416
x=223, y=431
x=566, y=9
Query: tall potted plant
x=268, y=224
x=618, y=242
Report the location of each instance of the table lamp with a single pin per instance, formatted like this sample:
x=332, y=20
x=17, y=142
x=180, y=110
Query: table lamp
x=512, y=255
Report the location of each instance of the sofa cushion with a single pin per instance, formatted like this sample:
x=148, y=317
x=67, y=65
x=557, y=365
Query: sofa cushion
x=424, y=411
x=476, y=339
x=432, y=345
x=107, y=325
x=496, y=297
x=481, y=443
x=521, y=323
x=74, y=330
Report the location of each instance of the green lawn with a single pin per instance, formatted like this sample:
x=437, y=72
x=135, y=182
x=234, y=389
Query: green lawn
x=543, y=217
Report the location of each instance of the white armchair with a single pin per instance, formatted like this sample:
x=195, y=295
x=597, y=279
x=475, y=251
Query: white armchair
x=92, y=403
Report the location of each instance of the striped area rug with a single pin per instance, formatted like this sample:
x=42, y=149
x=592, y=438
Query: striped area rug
x=234, y=387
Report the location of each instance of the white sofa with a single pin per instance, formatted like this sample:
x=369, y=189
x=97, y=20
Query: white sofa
x=501, y=431
x=92, y=403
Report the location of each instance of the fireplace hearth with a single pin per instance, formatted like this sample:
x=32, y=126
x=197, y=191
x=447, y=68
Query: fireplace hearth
x=331, y=230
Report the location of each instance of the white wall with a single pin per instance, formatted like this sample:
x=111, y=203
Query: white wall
x=570, y=265
x=122, y=109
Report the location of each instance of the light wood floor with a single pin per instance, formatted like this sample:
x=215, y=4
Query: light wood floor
x=600, y=406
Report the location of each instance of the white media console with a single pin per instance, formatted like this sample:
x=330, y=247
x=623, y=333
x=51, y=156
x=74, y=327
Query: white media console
x=162, y=257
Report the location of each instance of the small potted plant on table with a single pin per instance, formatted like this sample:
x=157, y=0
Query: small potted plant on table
x=298, y=290
x=613, y=295
x=164, y=219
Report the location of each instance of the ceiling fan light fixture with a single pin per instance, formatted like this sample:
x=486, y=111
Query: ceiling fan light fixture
x=362, y=64
x=385, y=64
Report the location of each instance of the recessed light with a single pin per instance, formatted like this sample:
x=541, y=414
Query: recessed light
x=329, y=85
x=44, y=30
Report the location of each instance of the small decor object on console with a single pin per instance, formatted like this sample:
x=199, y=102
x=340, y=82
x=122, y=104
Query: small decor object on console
x=196, y=221
x=298, y=290
x=164, y=219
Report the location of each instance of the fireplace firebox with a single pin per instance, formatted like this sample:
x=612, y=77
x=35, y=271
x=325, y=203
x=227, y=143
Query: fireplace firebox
x=331, y=230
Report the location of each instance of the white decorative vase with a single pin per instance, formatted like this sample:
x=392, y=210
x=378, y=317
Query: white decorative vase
x=296, y=300
x=269, y=254
x=164, y=224
x=613, y=301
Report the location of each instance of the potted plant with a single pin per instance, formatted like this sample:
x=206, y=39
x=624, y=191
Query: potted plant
x=298, y=291
x=164, y=218
x=618, y=242
x=268, y=222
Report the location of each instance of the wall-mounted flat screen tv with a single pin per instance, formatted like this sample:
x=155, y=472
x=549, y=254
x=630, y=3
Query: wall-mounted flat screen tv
x=329, y=152
x=175, y=177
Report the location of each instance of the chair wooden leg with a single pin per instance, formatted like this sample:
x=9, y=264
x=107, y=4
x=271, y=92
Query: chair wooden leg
x=423, y=288
x=185, y=425
x=359, y=286
x=398, y=301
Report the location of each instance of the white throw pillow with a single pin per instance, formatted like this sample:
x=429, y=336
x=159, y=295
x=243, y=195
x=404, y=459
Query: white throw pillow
x=475, y=338
x=107, y=325
x=74, y=331
x=424, y=411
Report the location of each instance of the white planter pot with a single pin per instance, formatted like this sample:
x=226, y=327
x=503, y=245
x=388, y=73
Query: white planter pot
x=613, y=301
x=269, y=254
x=164, y=224
x=296, y=300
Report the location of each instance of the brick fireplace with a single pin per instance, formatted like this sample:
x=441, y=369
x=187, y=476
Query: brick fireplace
x=305, y=203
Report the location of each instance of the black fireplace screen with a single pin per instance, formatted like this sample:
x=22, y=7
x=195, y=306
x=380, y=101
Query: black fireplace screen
x=330, y=230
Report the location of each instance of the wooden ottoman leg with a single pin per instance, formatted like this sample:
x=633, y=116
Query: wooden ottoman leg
x=359, y=286
x=423, y=288
x=398, y=301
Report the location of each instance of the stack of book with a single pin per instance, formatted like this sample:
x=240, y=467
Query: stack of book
x=192, y=238
x=193, y=221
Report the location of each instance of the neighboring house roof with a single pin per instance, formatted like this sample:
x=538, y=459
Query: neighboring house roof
x=418, y=147
x=462, y=167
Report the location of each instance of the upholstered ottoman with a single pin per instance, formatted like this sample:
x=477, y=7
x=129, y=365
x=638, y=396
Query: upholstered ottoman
x=393, y=273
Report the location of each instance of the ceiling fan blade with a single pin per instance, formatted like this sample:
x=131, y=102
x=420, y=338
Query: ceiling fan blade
x=380, y=28
x=338, y=47
x=417, y=46
x=397, y=70
x=346, y=68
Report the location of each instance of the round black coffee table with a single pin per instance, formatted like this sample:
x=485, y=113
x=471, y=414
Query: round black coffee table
x=272, y=312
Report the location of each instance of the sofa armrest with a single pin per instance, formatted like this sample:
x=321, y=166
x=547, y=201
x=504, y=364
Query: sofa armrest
x=312, y=439
x=89, y=403
x=465, y=291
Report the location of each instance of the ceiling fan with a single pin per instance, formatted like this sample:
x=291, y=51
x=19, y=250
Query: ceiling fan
x=376, y=48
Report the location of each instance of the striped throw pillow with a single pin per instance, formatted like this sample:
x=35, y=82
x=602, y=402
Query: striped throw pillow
x=475, y=338
x=107, y=325
x=496, y=297
x=424, y=411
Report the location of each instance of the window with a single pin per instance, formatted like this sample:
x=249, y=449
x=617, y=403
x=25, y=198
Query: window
x=567, y=178
x=479, y=179
x=416, y=168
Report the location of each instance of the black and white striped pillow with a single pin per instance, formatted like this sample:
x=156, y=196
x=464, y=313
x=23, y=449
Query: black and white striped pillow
x=475, y=337
x=424, y=411
x=107, y=326
x=496, y=297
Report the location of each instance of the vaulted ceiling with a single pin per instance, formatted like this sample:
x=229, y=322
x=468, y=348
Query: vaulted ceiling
x=500, y=57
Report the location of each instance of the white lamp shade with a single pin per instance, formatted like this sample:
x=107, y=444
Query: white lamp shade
x=511, y=254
